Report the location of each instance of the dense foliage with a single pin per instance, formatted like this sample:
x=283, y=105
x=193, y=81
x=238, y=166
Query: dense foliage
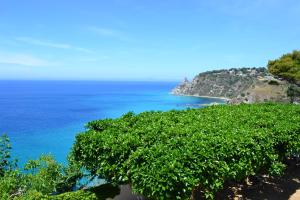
x=39, y=179
x=287, y=66
x=6, y=162
x=77, y=195
x=178, y=154
x=293, y=92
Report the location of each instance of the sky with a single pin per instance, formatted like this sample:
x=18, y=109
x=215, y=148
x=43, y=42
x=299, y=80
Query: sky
x=151, y=40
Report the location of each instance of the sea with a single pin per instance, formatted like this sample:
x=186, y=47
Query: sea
x=43, y=117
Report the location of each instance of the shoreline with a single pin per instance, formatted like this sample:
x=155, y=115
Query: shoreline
x=210, y=97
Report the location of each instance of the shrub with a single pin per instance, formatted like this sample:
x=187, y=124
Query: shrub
x=273, y=82
x=47, y=176
x=6, y=163
x=42, y=176
x=78, y=195
x=11, y=185
x=177, y=154
x=293, y=92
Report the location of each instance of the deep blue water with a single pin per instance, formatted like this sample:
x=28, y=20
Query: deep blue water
x=44, y=116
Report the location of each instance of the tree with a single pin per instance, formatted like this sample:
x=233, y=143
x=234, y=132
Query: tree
x=38, y=179
x=6, y=163
x=286, y=67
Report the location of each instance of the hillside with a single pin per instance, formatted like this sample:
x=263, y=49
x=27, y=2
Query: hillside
x=238, y=85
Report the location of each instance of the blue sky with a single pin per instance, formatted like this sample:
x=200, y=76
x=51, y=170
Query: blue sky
x=141, y=39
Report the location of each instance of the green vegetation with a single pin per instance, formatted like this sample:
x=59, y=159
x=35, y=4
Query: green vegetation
x=163, y=155
x=180, y=154
x=6, y=163
x=273, y=82
x=293, y=92
x=287, y=66
x=78, y=195
x=39, y=178
x=44, y=179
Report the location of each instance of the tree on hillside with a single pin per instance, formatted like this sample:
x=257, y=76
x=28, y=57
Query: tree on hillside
x=287, y=67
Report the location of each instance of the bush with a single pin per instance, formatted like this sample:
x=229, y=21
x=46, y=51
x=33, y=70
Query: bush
x=42, y=177
x=293, y=92
x=47, y=176
x=78, y=195
x=11, y=185
x=273, y=82
x=33, y=195
x=6, y=163
x=177, y=154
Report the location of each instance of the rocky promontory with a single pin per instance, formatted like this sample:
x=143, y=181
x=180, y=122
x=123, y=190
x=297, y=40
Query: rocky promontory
x=238, y=85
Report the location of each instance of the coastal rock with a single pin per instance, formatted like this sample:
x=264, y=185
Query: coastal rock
x=220, y=83
x=183, y=88
x=238, y=85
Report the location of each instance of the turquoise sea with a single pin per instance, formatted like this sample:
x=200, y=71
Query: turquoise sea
x=44, y=116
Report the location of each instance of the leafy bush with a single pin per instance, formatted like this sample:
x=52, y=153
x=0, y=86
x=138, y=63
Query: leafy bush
x=10, y=178
x=273, y=82
x=11, y=185
x=47, y=176
x=178, y=154
x=293, y=92
x=6, y=163
x=42, y=177
x=78, y=195
x=32, y=195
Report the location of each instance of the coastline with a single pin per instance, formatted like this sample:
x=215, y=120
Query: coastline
x=210, y=97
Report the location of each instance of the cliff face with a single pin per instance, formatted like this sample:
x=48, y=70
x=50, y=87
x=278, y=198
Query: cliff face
x=221, y=83
x=247, y=85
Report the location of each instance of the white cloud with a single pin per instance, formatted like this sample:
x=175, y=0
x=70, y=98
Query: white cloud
x=34, y=41
x=22, y=59
x=94, y=59
x=43, y=43
x=83, y=50
x=107, y=32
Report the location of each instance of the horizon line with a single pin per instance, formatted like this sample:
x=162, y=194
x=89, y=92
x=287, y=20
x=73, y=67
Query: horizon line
x=95, y=80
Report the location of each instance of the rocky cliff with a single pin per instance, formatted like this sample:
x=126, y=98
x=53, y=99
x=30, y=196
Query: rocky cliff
x=237, y=84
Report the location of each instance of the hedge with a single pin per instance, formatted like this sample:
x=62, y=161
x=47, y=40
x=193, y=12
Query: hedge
x=178, y=154
x=78, y=195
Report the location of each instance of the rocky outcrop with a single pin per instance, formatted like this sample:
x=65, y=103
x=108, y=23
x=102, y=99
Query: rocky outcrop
x=220, y=83
x=247, y=85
